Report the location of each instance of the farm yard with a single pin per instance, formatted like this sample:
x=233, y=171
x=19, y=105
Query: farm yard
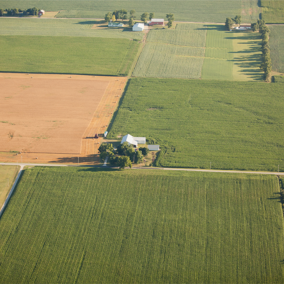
x=51, y=114
x=7, y=176
x=184, y=10
x=192, y=51
x=84, y=225
x=276, y=41
x=69, y=55
x=230, y=125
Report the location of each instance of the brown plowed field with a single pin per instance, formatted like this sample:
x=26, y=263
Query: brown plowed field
x=54, y=118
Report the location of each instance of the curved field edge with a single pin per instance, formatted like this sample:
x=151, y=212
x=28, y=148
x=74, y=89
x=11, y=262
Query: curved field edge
x=85, y=225
x=230, y=125
x=67, y=55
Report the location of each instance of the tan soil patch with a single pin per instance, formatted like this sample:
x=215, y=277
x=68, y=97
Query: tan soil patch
x=47, y=117
x=99, y=27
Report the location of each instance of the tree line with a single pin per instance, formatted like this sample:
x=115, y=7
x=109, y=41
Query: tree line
x=123, y=156
x=231, y=21
x=16, y=12
x=122, y=15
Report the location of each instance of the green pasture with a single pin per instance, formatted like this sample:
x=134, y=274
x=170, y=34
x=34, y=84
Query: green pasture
x=71, y=55
x=63, y=27
x=232, y=55
x=173, y=53
x=7, y=176
x=276, y=42
x=82, y=225
x=273, y=11
x=232, y=125
x=184, y=10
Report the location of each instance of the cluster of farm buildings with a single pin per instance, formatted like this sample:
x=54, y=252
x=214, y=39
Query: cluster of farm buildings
x=138, y=27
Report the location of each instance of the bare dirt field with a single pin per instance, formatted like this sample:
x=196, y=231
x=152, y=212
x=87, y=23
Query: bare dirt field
x=54, y=118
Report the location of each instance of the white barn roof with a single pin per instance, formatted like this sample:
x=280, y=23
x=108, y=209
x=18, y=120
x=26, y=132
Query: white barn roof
x=138, y=27
x=157, y=20
x=129, y=139
x=140, y=140
x=154, y=147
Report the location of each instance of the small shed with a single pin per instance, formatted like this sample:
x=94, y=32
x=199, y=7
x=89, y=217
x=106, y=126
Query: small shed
x=154, y=147
x=156, y=22
x=138, y=27
x=41, y=12
x=115, y=25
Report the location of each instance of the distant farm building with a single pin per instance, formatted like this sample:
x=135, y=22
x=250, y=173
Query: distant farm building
x=243, y=27
x=41, y=12
x=133, y=140
x=156, y=22
x=153, y=147
x=138, y=27
x=115, y=25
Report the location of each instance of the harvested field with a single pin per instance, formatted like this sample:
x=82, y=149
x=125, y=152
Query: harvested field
x=50, y=114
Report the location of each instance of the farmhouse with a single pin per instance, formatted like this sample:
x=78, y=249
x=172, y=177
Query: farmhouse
x=138, y=27
x=133, y=140
x=156, y=22
x=115, y=25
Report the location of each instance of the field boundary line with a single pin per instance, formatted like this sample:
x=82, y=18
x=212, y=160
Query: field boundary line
x=12, y=190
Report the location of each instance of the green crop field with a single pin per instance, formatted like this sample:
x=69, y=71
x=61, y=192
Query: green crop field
x=232, y=55
x=71, y=55
x=173, y=53
x=276, y=42
x=184, y=10
x=7, y=176
x=233, y=125
x=273, y=11
x=79, y=225
x=59, y=27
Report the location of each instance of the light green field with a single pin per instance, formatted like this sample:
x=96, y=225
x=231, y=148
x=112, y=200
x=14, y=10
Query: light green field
x=232, y=55
x=79, y=225
x=276, y=42
x=233, y=125
x=184, y=10
x=62, y=27
x=7, y=176
x=173, y=53
x=70, y=55
x=273, y=11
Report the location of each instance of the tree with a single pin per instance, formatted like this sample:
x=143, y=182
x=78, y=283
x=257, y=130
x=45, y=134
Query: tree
x=113, y=18
x=170, y=16
x=237, y=19
x=152, y=15
x=170, y=23
x=229, y=23
x=108, y=16
x=145, y=17
x=132, y=14
x=144, y=150
x=1, y=12
x=138, y=157
x=126, y=150
x=254, y=27
x=131, y=22
x=123, y=162
x=106, y=147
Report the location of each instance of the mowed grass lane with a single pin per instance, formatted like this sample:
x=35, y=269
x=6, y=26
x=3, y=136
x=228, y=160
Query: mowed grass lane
x=7, y=177
x=233, y=125
x=71, y=55
x=173, y=53
x=66, y=27
x=80, y=225
x=276, y=42
x=184, y=10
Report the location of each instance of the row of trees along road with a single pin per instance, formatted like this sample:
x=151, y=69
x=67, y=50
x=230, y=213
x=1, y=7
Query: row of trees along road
x=231, y=21
x=123, y=156
x=122, y=15
x=17, y=12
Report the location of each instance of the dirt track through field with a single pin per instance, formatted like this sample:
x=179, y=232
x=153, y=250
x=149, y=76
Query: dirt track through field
x=54, y=118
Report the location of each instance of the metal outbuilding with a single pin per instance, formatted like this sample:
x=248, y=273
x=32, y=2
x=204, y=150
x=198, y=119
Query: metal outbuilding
x=156, y=22
x=138, y=27
x=153, y=147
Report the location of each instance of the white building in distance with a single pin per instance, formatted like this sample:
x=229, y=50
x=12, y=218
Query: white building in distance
x=138, y=27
